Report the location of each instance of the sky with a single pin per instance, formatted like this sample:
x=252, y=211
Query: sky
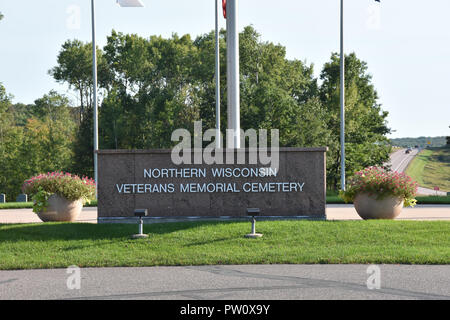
x=406, y=43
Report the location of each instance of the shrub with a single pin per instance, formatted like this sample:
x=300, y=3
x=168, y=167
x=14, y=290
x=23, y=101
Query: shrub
x=66, y=185
x=381, y=183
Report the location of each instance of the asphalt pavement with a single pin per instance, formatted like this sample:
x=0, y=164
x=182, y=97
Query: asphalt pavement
x=246, y=282
x=400, y=160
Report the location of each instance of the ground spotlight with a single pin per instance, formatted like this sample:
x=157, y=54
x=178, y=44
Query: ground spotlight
x=140, y=213
x=253, y=212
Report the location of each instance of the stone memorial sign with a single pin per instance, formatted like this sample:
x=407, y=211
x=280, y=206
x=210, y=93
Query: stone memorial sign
x=148, y=179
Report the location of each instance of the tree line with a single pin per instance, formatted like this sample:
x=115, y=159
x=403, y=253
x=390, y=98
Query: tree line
x=421, y=142
x=149, y=87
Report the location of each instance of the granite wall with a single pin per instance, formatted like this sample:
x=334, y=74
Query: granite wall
x=148, y=179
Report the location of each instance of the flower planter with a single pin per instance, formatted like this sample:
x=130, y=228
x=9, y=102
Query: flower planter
x=61, y=209
x=368, y=207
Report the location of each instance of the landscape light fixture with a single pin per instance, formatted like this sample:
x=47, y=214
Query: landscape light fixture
x=253, y=212
x=140, y=213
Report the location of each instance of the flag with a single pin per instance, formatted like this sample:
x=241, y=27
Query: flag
x=224, y=6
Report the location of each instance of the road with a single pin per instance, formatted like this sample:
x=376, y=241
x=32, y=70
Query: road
x=399, y=162
x=246, y=282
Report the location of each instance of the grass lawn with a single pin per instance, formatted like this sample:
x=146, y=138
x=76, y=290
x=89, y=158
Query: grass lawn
x=431, y=168
x=420, y=200
x=58, y=245
x=29, y=205
x=16, y=205
x=433, y=200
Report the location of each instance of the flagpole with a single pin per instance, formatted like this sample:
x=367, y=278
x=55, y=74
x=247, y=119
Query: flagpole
x=94, y=74
x=233, y=93
x=217, y=76
x=342, y=98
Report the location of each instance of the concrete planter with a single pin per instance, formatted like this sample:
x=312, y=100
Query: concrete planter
x=368, y=207
x=61, y=210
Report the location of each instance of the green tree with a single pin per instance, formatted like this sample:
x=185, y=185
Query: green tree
x=6, y=119
x=365, y=121
x=21, y=113
x=152, y=86
x=52, y=113
x=83, y=147
x=278, y=93
x=75, y=69
x=40, y=143
x=11, y=139
x=151, y=90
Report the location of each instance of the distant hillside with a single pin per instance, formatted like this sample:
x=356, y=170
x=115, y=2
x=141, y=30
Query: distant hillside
x=421, y=142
